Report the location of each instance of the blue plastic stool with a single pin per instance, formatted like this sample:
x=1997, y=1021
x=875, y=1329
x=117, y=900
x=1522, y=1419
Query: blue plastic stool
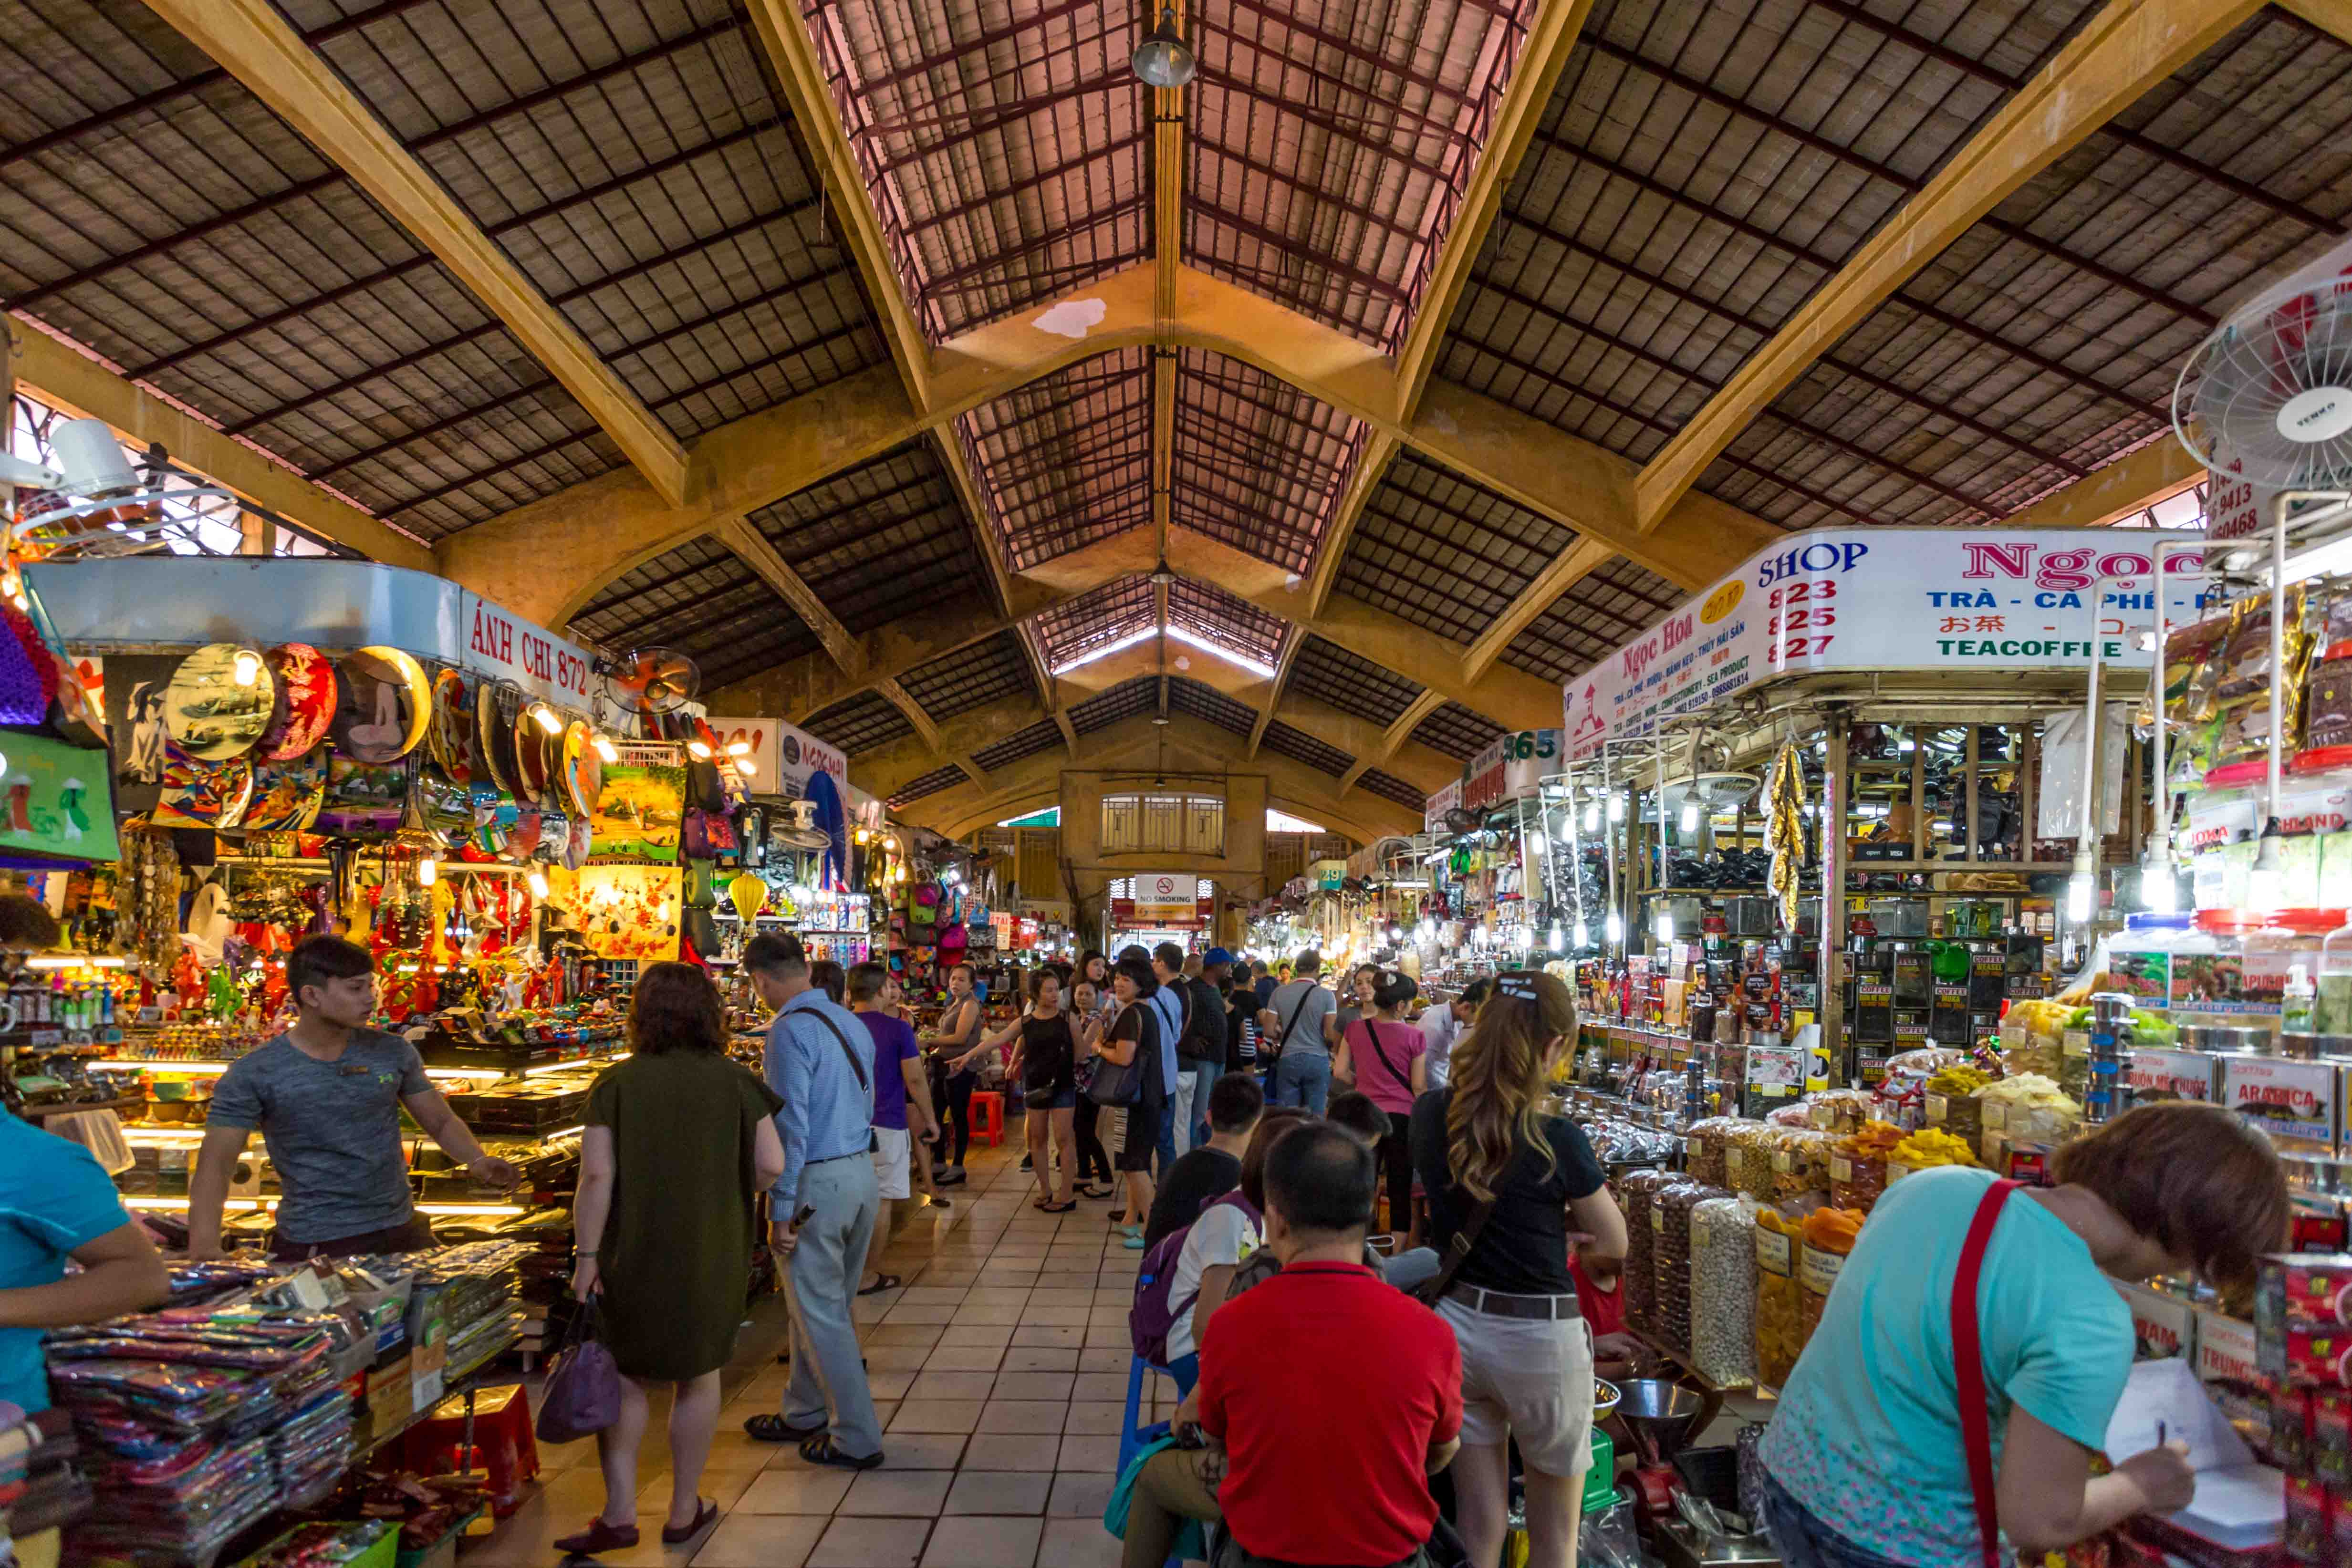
x=1134, y=1439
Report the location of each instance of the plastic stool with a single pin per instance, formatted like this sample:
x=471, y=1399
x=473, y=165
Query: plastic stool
x=1134, y=1436
x=492, y=1428
x=988, y=1116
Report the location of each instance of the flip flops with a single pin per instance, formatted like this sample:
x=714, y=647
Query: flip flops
x=706, y=1514
x=773, y=1429
x=882, y=1282
x=598, y=1537
x=820, y=1450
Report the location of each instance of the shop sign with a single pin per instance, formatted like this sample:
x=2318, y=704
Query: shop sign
x=2164, y=1325
x=506, y=647
x=61, y=802
x=1991, y=601
x=2225, y=1348
x=783, y=756
x=1509, y=768
x=2159, y=1074
x=2293, y=1102
x=1433, y=810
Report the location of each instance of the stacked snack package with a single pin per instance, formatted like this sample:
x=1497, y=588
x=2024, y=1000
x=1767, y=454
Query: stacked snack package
x=2032, y=1038
x=2030, y=1111
x=1839, y=1110
x=1637, y=1192
x=1748, y=1164
x=1723, y=1291
x=2302, y=1348
x=1858, y=1166
x=1952, y=1103
x=1800, y=1163
x=2241, y=752
x=1671, y=1212
x=1779, y=1314
x=1828, y=1236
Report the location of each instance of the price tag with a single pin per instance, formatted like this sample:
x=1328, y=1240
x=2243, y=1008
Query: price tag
x=1691, y=1147
x=1996, y=1116
x=1895, y=1171
x=1783, y=1161
x=1935, y=1110
x=1773, y=1249
x=1657, y=1219
x=1817, y=1269
x=2075, y=1042
x=1840, y=1169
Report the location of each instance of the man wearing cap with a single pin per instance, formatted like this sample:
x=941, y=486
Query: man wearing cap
x=1202, y=1050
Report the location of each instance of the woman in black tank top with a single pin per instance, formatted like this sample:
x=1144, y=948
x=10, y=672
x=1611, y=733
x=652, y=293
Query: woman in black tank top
x=1044, y=1064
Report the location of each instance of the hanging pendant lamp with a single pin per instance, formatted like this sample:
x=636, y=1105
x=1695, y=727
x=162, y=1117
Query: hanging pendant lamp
x=1163, y=58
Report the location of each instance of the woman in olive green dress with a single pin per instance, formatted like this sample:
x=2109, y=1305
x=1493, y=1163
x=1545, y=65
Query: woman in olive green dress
x=679, y=1142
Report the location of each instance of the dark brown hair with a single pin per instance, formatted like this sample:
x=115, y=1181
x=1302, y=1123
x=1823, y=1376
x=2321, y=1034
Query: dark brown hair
x=1277, y=1119
x=676, y=1007
x=2192, y=1178
x=316, y=960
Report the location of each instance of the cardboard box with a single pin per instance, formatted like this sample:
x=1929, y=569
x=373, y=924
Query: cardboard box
x=2165, y=1326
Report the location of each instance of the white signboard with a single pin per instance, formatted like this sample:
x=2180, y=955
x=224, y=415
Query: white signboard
x=1433, y=810
x=782, y=757
x=1983, y=600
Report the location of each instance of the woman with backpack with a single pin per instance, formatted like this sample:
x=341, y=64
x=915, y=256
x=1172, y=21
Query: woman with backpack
x=1507, y=1182
x=1386, y=1059
x=1199, y=1260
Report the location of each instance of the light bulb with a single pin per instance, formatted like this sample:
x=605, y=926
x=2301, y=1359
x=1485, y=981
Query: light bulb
x=738, y=749
x=428, y=872
x=537, y=880
x=1616, y=807
x=1583, y=934
x=1526, y=937
x=1690, y=815
x=1557, y=937
x=2160, y=889
x=1396, y=933
x=247, y=668
x=699, y=751
x=605, y=749
x=1665, y=927
x=549, y=719
x=1593, y=816
x=1613, y=928
x=2080, y=887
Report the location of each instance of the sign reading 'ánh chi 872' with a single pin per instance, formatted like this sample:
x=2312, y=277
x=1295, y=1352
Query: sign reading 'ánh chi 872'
x=1985, y=600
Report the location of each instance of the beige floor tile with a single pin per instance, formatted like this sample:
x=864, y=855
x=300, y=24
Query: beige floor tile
x=1096, y=1417
x=1080, y=1494
x=1077, y=1543
x=1058, y=1317
x=1106, y=1317
x=1103, y=1385
x=1105, y=1361
x=970, y=1543
x=997, y=1335
x=1059, y=1296
x=936, y=1416
x=891, y=1358
x=921, y=1450
x=1104, y=1338
x=1040, y=1358
x=924, y=1335
x=902, y=1494
x=1086, y=1451
x=1048, y=1336
x=921, y=1314
x=970, y=1312
x=963, y=1358
x=801, y=1489
x=954, y=1385
x=1000, y=1491
x=871, y=1543
x=930, y=1296
x=888, y=1385
x=725, y=1488
x=994, y=1296
x=1012, y=1451
x=1053, y=1385
x=1021, y=1415
x=756, y=1541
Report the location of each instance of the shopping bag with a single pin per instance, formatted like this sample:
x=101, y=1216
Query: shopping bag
x=582, y=1395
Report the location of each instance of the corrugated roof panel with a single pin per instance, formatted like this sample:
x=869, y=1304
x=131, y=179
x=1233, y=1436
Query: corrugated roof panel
x=1139, y=694
x=1458, y=731
x=1445, y=553
x=1066, y=460
x=1258, y=465
x=859, y=723
x=1226, y=618
x=881, y=540
x=972, y=676
x=1389, y=787
x=1351, y=683
x=1300, y=746
x=1042, y=736
x=931, y=783
x=1094, y=620
x=1203, y=701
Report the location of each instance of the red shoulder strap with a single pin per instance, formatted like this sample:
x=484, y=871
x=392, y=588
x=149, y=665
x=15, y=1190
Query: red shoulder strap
x=1968, y=1365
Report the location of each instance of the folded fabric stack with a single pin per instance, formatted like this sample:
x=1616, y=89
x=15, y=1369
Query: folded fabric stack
x=39, y=1486
x=193, y=1283
x=198, y=1420
x=472, y=1288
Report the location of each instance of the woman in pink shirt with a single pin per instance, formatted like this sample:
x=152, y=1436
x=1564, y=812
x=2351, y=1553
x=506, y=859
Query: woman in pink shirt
x=1386, y=1059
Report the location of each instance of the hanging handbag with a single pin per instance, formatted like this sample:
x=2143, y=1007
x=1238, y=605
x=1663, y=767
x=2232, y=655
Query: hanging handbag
x=583, y=1393
x=1457, y=1252
x=1121, y=1083
x=1968, y=1368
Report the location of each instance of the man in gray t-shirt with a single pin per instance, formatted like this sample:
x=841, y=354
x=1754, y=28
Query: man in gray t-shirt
x=1297, y=1022
x=326, y=1097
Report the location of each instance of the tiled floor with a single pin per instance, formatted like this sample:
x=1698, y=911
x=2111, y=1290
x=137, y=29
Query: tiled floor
x=999, y=1370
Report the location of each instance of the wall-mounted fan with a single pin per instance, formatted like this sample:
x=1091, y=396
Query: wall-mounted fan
x=2268, y=394
x=653, y=681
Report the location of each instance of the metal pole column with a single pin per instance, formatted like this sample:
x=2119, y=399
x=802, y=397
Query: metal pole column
x=1832, y=858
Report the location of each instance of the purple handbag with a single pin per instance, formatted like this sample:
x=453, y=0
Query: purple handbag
x=583, y=1394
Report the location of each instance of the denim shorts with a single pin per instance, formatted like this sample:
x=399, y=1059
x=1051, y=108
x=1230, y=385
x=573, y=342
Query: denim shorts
x=1804, y=1541
x=1046, y=1100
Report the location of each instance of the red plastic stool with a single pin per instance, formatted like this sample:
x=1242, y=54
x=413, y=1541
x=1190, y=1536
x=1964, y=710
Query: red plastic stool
x=988, y=1116
x=502, y=1442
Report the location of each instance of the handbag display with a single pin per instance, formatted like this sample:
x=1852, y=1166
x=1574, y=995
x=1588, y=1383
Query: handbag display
x=583, y=1395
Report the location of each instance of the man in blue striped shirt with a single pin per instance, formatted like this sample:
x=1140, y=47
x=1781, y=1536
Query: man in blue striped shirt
x=820, y=1060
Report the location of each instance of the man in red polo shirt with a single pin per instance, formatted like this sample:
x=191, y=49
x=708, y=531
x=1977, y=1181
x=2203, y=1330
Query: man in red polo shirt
x=1326, y=1454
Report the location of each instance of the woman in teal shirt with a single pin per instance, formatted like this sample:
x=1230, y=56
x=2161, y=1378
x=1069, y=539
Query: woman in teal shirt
x=1865, y=1461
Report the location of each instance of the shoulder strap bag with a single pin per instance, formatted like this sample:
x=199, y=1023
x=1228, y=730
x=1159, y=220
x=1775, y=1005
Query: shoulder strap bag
x=1283, y=1042
x=1968, y=1367
x=1372, y=1033
x=1121, y=1083
x=856, y=1067
x=1457, y=1252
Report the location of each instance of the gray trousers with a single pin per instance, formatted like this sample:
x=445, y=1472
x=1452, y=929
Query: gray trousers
x=821, y=1277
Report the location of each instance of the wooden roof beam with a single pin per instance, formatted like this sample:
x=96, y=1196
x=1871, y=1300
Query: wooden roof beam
x=252, y=41
x=739, y=536
x=1570, y=566
x=1282, y=666
x=2124, y=50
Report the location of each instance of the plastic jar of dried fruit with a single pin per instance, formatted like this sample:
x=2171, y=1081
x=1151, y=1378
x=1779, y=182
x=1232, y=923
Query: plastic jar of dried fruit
x=1779, y=1314
x=1800, y=1162
x=1637, y=1192
x=1828, y=1236
x=1705, y=1145
x=1723, y=1291
x=1747, y=1162
x=1671, y=1217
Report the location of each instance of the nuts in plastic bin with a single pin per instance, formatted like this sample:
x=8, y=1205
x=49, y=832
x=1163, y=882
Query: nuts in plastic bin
x=1748, y=1164
x=1800, y=1162
x=1637, y=1192
x=1779, y=1316
x=1858, y=1166
x=1723, y=1291
x=1672, y=1257
x=1840, y=1110
x=1705, y=1147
